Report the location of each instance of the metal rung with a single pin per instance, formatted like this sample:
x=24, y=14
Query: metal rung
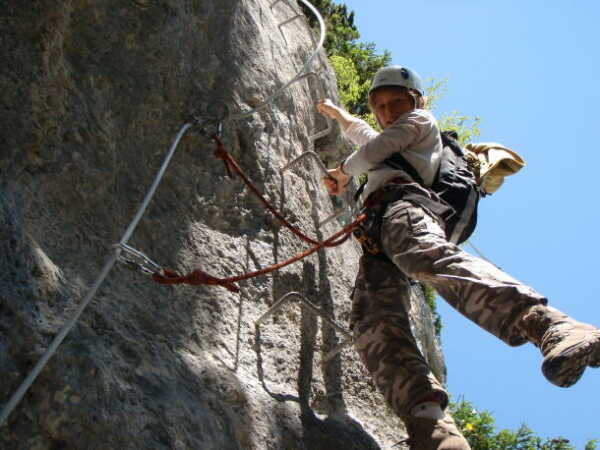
x=291, y=19
x=332, y=217
x=279, y=303
x=305, y=68
x=304, y=73
x=297, y=15
x=310, y=154
x=321, y=95
x=338, y=348
x=321, y=166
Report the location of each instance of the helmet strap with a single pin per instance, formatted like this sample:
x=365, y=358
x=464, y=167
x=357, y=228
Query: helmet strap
x=415, y=98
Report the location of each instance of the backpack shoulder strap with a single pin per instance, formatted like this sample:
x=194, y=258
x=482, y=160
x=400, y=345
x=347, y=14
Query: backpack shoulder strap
x=450, y=139
x=359, y=191
x=397, y=161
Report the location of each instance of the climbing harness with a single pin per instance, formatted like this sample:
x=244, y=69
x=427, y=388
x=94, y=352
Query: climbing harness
x=366, y=241
x=135, y=259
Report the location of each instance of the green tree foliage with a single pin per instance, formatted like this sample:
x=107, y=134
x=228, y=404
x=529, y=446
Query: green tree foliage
x=355, y=64
x=479, y=428
x=367, y=62
x=349, y=87
x=430, y=294
x=466, y=127
x=341, y=31
x=592, y=444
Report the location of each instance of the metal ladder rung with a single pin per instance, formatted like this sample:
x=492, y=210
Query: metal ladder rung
x=304, y=155
x=321, y=94
x=323, y=169
x=291, y=19
x=279, y=303
x=304, y=74
x=317, y=46
x=297, y=15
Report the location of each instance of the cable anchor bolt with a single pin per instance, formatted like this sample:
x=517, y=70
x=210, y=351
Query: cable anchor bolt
x=208, y=119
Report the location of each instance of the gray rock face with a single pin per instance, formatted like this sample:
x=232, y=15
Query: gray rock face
x=93, y=95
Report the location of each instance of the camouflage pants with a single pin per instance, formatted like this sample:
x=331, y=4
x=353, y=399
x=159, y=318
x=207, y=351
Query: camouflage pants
x=414, y=243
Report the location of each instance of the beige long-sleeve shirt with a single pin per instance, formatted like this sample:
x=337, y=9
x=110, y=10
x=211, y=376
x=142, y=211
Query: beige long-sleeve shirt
x=415, y=134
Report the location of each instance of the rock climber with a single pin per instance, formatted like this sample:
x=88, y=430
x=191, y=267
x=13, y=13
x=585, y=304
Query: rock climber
x=414, y=245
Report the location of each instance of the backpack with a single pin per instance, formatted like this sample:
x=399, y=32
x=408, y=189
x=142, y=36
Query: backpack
x=455, y=183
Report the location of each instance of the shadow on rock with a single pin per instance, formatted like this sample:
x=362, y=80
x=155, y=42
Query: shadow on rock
x=334, y=432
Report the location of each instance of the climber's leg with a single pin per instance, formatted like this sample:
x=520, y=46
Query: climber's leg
x=384, y=339
x=415, y=241
x=387, y=347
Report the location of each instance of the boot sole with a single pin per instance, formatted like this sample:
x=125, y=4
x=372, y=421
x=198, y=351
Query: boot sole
x=566, y=368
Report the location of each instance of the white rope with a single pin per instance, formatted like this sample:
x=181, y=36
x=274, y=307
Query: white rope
x=33, y=374
x=479, y=253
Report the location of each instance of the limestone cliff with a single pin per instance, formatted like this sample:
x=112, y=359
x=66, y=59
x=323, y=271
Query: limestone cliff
x=92, y=95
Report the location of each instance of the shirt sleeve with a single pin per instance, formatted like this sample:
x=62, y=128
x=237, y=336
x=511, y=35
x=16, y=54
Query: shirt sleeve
x=360, y=132
x=376, y=147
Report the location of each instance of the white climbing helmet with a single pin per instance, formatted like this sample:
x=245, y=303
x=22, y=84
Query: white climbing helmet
x=397, y=76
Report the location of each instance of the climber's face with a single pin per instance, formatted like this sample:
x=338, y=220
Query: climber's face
x=389, y=103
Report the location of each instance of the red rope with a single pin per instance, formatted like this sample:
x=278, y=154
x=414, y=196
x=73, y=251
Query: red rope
x=231, y=163
x=199, y=277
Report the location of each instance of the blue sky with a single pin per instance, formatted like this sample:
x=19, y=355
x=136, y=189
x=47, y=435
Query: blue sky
x=530, y=70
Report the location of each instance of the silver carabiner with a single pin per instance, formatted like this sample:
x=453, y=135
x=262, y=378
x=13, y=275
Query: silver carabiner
x=136, y=260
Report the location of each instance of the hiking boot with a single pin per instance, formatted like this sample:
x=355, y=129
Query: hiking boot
x=568, y=346
x=431, y=434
